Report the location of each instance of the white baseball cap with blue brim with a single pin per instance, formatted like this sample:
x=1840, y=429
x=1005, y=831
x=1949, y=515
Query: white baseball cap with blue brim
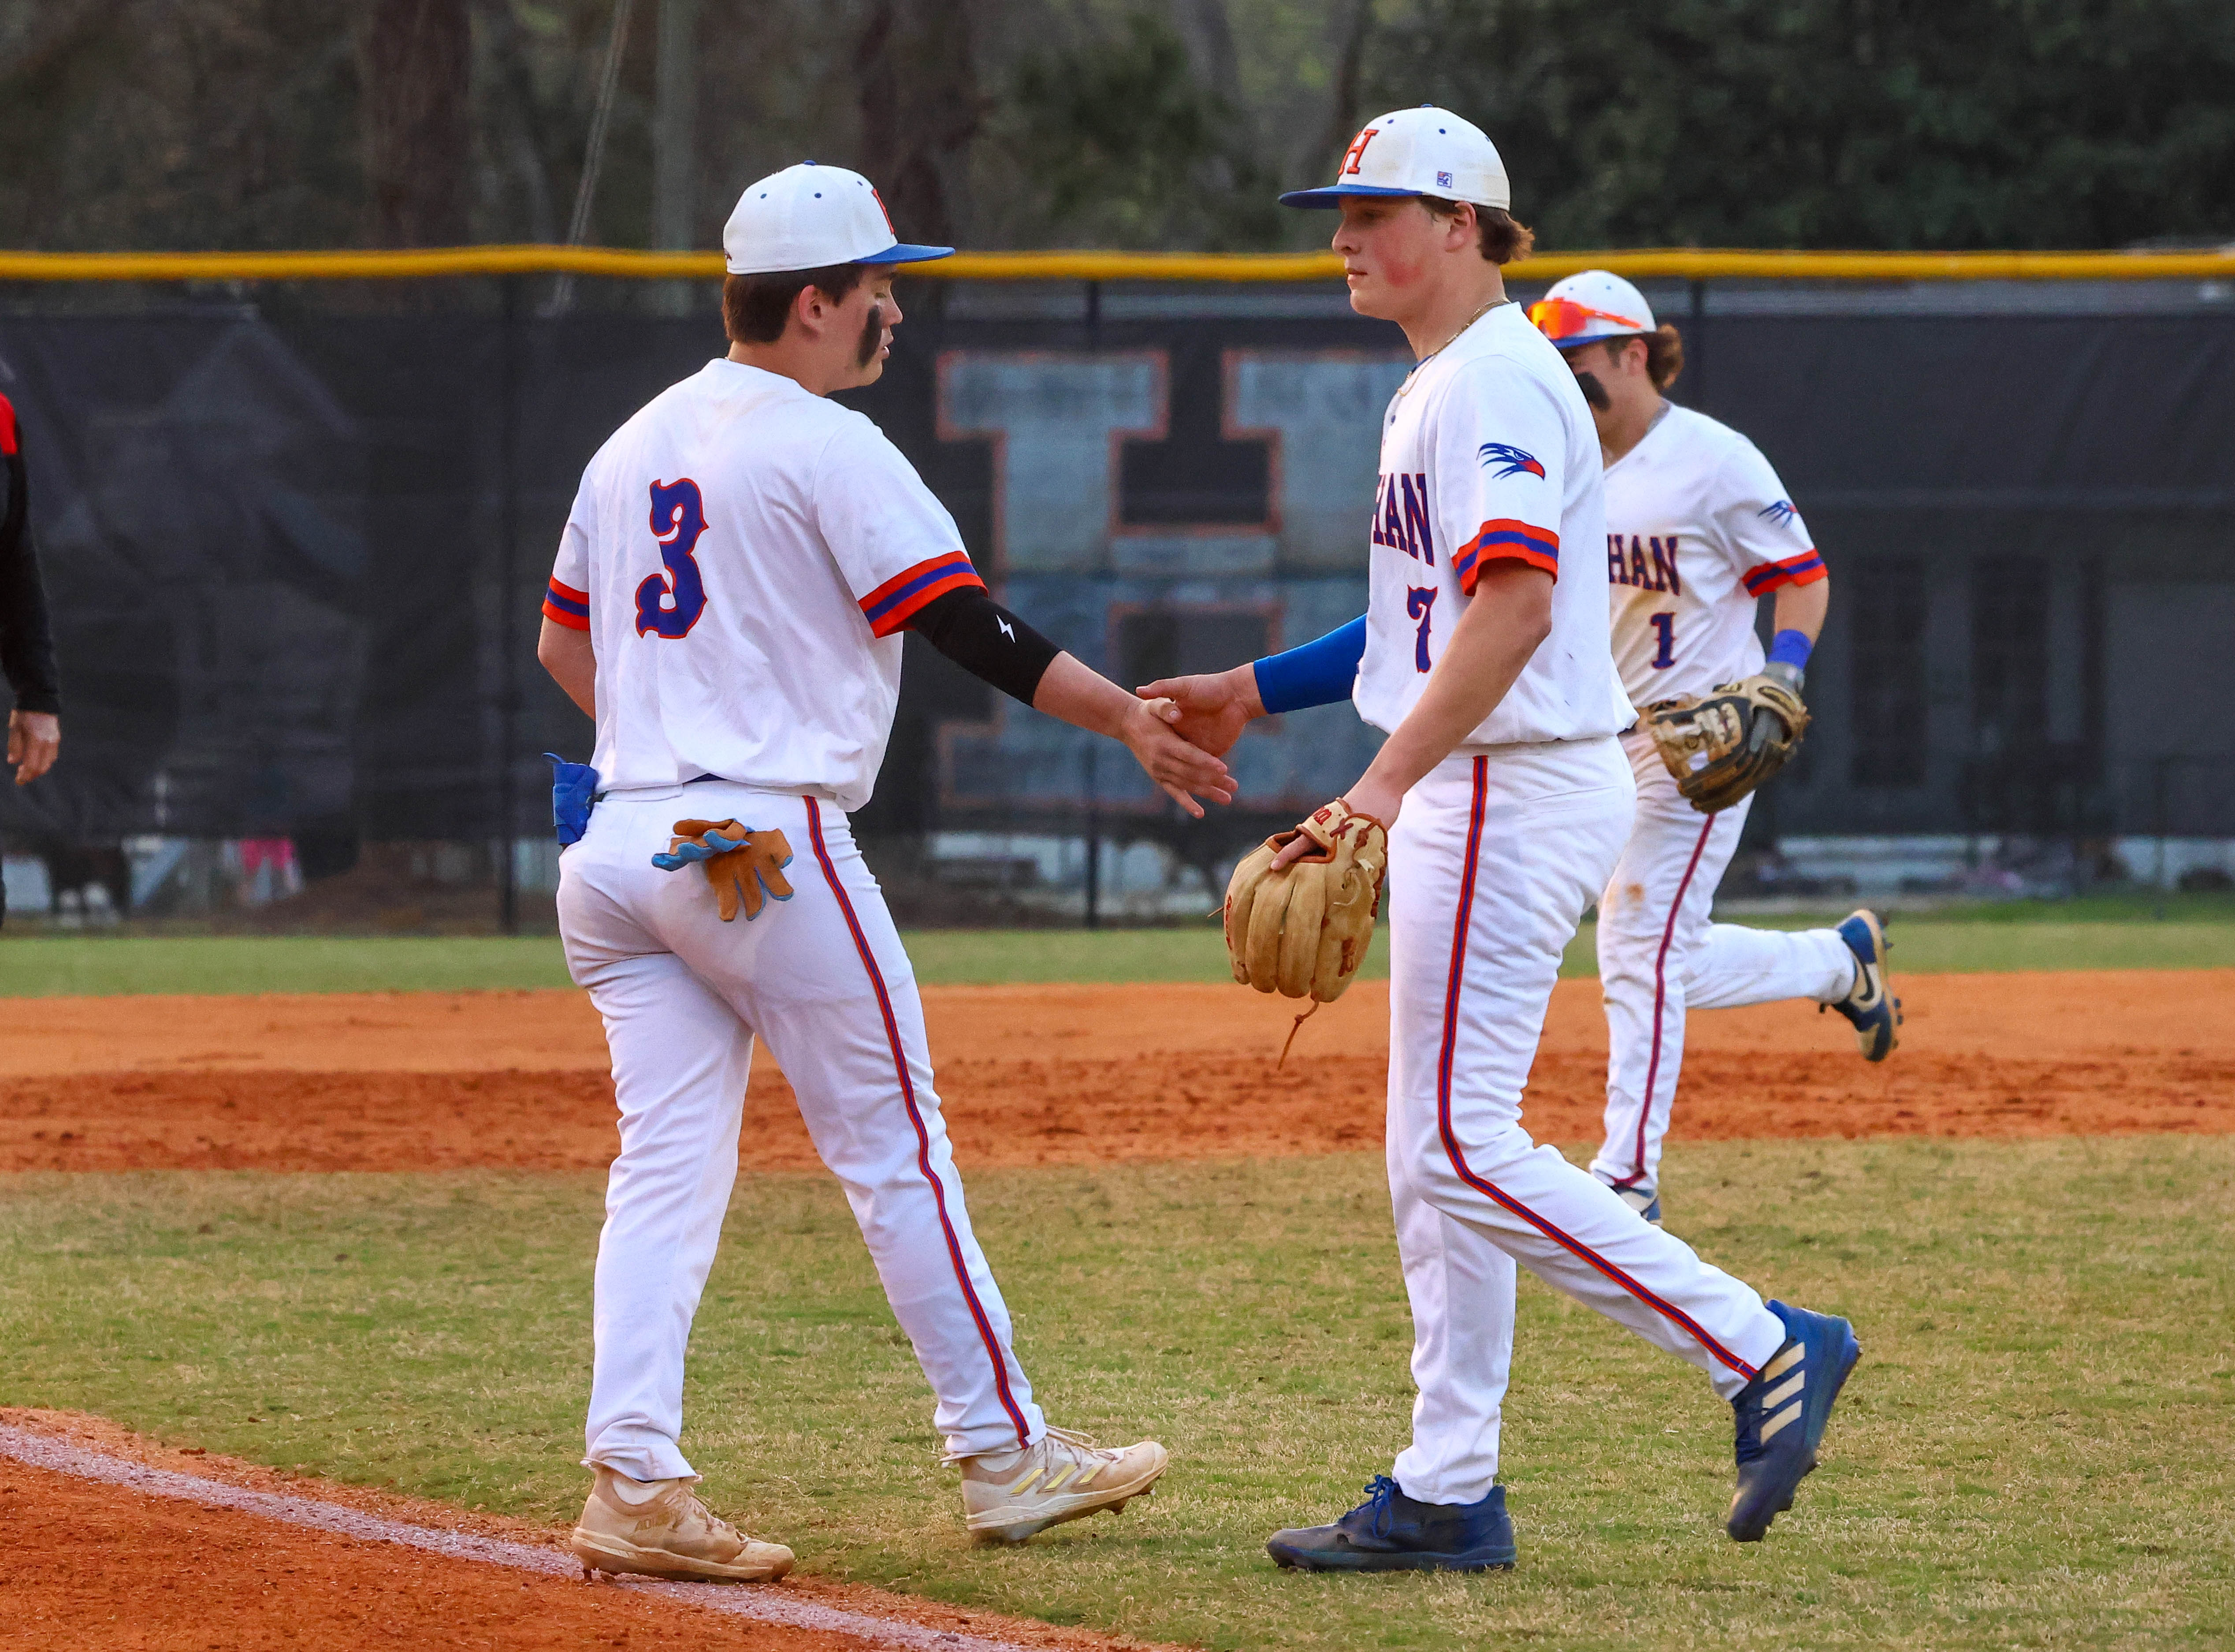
x=809, y=217
x=1425, y=151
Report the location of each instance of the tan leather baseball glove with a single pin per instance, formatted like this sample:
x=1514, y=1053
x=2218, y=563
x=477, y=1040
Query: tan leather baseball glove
x=1720, y=746
x=1303, y=931
x=746, y=868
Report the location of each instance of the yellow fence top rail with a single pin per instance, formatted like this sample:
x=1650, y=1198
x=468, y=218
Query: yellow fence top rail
x=1675, y=263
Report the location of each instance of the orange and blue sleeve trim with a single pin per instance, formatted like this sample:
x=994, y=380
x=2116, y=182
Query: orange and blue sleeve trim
x=892, y=605
x=1505, y=537
x=564, y=606
x=1803, y=569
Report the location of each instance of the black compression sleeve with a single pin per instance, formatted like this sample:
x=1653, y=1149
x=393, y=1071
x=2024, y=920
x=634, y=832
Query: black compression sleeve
x=27, y=649
x=987, y=640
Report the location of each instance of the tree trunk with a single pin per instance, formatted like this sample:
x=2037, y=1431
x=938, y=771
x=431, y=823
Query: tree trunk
x=920, y=109
x=416, y=59
x=1355, y=22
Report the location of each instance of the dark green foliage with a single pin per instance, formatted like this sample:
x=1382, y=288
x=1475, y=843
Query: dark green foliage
x=1824, y=123
x=1132, y=149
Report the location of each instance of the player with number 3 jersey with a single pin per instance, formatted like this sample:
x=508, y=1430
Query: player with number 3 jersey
x=728, y=602
x=1699, y=528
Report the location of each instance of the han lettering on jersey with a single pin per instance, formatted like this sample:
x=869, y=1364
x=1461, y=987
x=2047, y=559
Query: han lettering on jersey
x=1401, y=516
x=1642, y=562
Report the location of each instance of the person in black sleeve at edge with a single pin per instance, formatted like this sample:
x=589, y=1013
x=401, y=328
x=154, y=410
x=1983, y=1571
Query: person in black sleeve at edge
x=26, y=646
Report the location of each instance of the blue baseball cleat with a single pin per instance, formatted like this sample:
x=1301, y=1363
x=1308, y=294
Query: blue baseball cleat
x=1781, y=1415
x=1871, y=1006
x=1392, y=1532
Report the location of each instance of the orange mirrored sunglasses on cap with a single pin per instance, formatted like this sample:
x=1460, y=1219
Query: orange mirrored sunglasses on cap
x=1558, y=318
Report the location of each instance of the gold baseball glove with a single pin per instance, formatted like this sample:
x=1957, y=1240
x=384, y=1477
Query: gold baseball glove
x=1722, y=746
x=1303, y=931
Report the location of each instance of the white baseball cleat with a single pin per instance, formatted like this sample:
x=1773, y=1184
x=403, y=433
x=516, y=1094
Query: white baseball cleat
x=1011, y=1496
x=661, y=1529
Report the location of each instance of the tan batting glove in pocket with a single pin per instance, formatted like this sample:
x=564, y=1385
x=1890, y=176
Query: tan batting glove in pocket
x=745, y=867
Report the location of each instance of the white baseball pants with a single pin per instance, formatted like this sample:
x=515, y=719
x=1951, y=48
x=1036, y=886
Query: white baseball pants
x=1494, y=859
x=1659, y=956
x=822, y=980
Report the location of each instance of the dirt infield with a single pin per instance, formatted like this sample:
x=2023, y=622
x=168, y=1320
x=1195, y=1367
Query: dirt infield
x=1030, y=1076
x=1057, y=1075
x=205, y=1576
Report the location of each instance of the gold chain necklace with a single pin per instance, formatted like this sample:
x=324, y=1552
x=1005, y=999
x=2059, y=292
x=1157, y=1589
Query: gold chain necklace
x=1405, y=388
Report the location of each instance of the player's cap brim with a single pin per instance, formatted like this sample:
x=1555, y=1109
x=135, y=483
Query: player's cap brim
x=1564, y=345
x=1332, y=196
x=907, y=252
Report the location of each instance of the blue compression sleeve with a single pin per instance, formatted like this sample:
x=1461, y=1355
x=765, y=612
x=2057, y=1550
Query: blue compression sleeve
x=1792, y=648
x=1319, y=673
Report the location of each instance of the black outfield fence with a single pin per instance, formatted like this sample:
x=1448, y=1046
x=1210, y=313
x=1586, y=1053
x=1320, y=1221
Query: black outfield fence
x=295, y=537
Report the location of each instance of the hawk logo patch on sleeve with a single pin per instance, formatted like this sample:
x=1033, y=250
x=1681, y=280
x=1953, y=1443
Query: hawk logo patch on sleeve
x=1506, y=460
x=1779, y=511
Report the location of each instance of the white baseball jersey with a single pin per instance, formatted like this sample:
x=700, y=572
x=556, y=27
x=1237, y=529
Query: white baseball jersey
x=744, y=553
x=1489, y=452
x=1698, y=525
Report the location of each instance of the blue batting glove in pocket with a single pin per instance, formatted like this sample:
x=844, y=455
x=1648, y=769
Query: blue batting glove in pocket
x=690, y=854
x=574, y=792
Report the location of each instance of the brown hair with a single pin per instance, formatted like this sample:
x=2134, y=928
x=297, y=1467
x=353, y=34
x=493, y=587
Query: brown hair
x=1664, y=352
x=756, y=308
x=1664, y=356
x=1506, y=238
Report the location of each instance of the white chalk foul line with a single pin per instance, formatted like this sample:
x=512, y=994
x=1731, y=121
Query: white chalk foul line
x=764, y=1603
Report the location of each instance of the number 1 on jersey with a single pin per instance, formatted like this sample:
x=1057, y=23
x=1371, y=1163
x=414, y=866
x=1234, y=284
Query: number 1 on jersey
x=670, y=602
x=1664, y=656
x=1419, y=604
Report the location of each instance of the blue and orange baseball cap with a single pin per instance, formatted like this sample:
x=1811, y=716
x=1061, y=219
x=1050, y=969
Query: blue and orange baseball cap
x=1425, y=151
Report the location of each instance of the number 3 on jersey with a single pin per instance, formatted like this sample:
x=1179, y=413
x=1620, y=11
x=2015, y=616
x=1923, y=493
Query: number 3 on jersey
x=670, y=602
x=1419, y=604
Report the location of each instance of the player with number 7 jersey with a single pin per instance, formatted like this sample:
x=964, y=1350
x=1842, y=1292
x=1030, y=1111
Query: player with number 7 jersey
x=1699, y=528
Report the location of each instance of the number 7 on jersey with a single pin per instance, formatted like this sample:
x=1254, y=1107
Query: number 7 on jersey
x=1420, y=604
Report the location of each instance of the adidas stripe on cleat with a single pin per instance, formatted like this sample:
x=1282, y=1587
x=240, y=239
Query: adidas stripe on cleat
x=1011, y=1496
x=1781, y=1414
x=1871, y=1005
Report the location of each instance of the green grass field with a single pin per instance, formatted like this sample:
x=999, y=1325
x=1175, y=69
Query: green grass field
x=2177, y=933
x=2038, y=1450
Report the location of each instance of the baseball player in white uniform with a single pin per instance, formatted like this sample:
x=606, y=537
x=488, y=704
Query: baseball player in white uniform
x=1699, y=528
x=727, y=603
x=1484, y=654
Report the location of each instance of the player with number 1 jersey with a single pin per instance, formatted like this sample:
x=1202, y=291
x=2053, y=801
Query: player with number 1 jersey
x=1699, y=528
